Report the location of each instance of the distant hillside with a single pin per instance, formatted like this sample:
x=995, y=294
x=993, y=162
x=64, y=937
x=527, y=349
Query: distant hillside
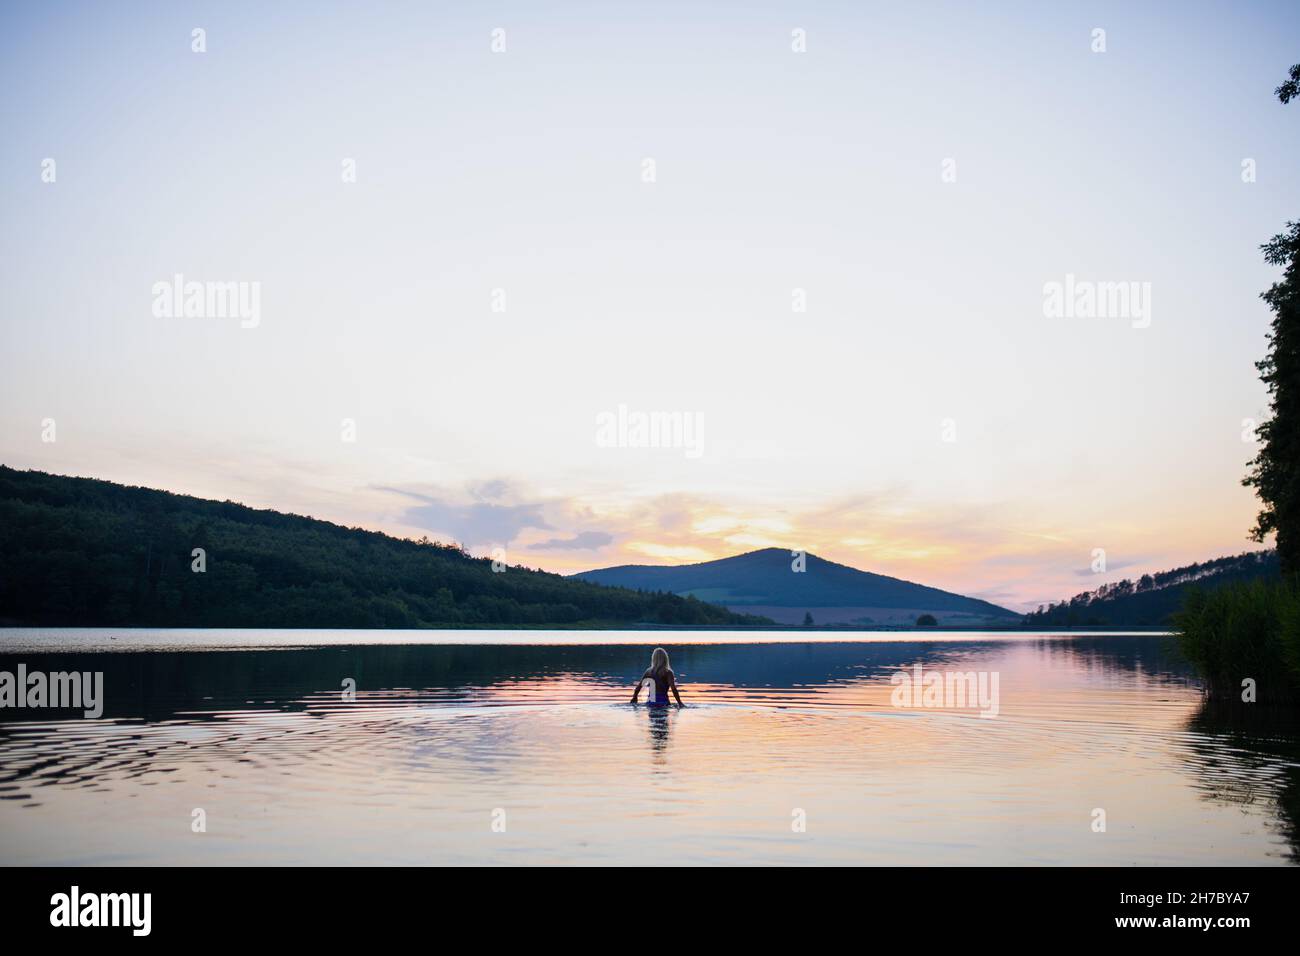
x=76, y=551
x=1153, y=598
x=764, y=582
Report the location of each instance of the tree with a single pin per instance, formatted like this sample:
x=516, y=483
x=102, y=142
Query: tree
x=807, y=618
x=926, y=620
x=1291, y=88
x=1275, y=471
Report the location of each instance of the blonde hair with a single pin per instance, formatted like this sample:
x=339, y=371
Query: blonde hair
x=659, y=661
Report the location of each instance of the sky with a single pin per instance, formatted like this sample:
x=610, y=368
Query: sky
x=822, y=236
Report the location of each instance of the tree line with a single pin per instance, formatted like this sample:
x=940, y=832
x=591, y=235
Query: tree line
x=1153, y=598
x=84, y=552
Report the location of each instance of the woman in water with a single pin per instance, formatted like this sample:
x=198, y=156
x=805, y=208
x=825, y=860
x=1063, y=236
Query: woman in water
x=663, y=677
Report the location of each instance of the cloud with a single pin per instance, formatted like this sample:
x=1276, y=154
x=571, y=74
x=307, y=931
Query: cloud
x=1111, y=567
x=995, y=596
x=477, y=523
x=493, y=490
x=991, y=550
x=495, y=512
x=582, y=541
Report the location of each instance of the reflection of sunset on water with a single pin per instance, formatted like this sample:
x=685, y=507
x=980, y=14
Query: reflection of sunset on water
x=438, y=736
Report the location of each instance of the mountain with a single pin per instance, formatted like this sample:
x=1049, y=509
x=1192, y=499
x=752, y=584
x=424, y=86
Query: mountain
x=765, y=582
x=1154, y=598
x=77, y=551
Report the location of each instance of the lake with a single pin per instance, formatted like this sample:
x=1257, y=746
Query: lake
x=477, y=747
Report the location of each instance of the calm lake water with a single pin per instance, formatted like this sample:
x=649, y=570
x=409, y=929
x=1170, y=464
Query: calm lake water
x=531, y=732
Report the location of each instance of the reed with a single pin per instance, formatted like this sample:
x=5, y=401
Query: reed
x=1244, y=631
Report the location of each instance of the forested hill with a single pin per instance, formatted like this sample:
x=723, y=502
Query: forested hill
x=1154, y=598
x=78, y=551
x=764, y=579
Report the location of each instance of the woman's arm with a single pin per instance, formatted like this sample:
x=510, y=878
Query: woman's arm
x=636, y=691
x=676, y=693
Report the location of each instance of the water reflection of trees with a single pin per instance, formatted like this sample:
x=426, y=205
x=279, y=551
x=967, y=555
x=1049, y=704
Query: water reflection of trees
x=1247, y=754
x=1154, y=656
x=157, y=685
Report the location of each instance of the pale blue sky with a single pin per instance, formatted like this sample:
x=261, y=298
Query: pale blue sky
x=775, y=171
